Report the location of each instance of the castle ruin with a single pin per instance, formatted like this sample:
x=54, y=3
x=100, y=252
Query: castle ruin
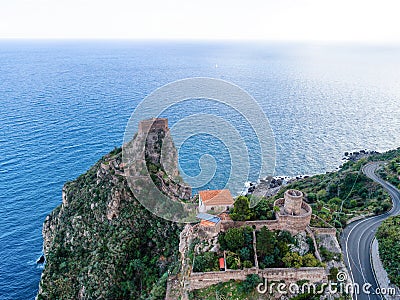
x=294, y=214
x=153, y=124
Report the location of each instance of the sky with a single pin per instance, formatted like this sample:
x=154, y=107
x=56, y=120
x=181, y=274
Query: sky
x=281, y=20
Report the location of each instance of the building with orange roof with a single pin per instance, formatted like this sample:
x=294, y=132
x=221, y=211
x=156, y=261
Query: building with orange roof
x=215, y=200
x=209, y=222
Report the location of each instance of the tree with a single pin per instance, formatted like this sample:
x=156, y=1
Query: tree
x=247, y=264
x=388, y=235
x=263, y=210
x=241, y=209
x=250, y=283
x=353, y=203
x=266, y=241
x=292, y=260
x=333, y=274
x=285, y=236
x=234, y=239
x=282, y=247
x=206, y=262
x=268, y=261
x=232, y=261
x=321, y=195
x=311, y=197
x=335, y=200
x=245, y=253
x=199, y=264
x=309, y=260
x=221, y=241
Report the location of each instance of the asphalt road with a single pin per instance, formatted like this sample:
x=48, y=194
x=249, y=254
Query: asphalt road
x=357, y=238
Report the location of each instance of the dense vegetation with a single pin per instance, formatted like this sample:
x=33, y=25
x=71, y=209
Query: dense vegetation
x=238, y=246
x=90, y=256
x=335, y=197
x=242, y=212
x=388, y=236
x=206, y=262
x=273, y=250
x=391, y=172
x=238, y=243
x=241, y=209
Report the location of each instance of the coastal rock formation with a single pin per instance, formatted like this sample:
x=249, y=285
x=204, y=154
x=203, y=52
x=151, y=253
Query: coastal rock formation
x=101, y=243
x=150, y=160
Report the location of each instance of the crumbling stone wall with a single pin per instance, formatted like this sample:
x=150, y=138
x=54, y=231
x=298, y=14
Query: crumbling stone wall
x=293, y=224
x=200, y=280
x=318, y=230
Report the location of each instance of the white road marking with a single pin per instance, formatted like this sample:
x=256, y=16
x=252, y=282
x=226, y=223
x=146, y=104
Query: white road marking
x=369, y=171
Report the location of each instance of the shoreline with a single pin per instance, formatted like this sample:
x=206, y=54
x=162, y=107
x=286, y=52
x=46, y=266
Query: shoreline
x=270, y=186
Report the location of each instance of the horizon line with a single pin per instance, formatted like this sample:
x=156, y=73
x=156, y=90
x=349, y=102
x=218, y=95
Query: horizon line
x=238, y=40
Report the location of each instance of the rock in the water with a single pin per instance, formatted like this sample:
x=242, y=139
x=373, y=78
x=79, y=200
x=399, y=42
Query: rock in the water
x=40, y=260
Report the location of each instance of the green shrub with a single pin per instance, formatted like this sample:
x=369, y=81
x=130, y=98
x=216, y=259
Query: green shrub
x=388, y=236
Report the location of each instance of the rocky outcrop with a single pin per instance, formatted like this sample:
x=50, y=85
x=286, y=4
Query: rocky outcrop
x=151, y=170
x=114, y=205
x=101, y=243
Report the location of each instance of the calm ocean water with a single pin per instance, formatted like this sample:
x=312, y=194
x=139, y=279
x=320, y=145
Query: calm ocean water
x=65, y=104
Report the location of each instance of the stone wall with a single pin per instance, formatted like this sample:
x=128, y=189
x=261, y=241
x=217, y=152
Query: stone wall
x=356, y=218
x=381, y=274
x=271, y=224
x=320, y=230
x=293, y=224
x=211, y=230
x=204, y=279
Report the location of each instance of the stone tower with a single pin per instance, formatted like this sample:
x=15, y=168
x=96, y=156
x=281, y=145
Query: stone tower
x=293, y=202
x=154, y=124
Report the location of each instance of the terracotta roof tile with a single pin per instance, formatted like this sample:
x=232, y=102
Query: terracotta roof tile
x=206, y=223
x=216, y=197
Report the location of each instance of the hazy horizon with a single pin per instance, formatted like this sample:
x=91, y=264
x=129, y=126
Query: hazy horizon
x=356, y=21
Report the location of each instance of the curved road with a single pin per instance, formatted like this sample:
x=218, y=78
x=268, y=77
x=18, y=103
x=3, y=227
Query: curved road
x=357, y=238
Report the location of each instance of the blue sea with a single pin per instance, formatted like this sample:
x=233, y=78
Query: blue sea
x=64, y=104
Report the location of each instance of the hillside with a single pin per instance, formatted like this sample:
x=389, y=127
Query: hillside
x=101, y=243
x=337, y=197
x=388, y=236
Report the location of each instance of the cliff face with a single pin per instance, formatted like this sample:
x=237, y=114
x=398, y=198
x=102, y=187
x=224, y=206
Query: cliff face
x=101, y=243
x=151, y=169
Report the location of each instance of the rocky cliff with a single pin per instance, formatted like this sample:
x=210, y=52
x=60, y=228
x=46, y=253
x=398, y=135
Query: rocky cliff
x=101, y=243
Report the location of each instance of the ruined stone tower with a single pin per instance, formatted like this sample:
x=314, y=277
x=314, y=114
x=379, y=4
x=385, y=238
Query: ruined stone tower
x=294, y=214
x=153, y=124
x=293, y=202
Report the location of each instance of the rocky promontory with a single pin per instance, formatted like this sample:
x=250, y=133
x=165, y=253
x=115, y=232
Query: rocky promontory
x=101, y=243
